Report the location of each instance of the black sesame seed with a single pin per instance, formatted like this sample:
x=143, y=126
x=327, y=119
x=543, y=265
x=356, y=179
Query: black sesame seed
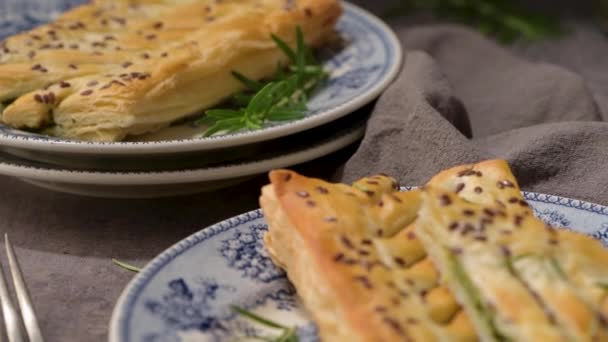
x=145, y=56
x=364, y=280
x=505, y=184
x=158, y=25
x=363, y=252
x=505, y=251
x=92, y=84
x=311, y=204
x=381, y=204
x=126, y=64
x=393, y=324
x=468, y=212
x=411, y=235
x=445, y=200
x=86, y=92
x=308, y=12
x=456, y=250
x=602, y=319
x=553, y=241
x=38, y=98
x=478, y=189
x=339, y=257
x=380, y=232
x=37, y=67
x=150, y=36
x=380, y=309
x=453, y=226
x=399, y=261
x=523, y=203
x=517, y=220
x=478, y=173
x=366, y=242
x=303, y=194
x=489, y=212
x=331, y=219
x=322, y=190
x=467, y=229
x=346, y=242
x=459, y=187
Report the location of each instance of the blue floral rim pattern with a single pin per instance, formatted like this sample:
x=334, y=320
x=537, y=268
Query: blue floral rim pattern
x=555, y=210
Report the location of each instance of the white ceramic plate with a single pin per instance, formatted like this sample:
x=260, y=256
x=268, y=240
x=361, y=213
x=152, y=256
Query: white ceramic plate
x=359, y=71
x=185, y=293
x=142, y=184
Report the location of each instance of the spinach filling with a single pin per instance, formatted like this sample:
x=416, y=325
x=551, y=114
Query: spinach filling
x=482, y=311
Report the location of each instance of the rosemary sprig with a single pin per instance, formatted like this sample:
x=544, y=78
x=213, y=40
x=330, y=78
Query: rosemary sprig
x=283, y=98
x=499, y=18
x=126, y=266
x=288, y=334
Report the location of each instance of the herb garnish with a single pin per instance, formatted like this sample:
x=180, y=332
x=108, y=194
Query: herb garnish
x=502, y=19
x=288, y=334
x=126, y=266
x=283, y=98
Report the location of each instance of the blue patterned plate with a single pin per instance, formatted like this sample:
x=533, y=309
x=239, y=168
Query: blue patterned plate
x=360, y=69
x=185, y=293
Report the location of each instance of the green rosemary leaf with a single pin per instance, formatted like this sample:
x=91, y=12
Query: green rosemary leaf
x=285, y=48
x=279, y=99
x=223, y=113
x=126, y=266
x=285, y=114
x=300, y=55
x=258, y=319
x=289, y=335
x=229, y=125
x=249, y=83
x=264, y=98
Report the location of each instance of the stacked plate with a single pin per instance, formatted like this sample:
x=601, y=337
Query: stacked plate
x=177, y=160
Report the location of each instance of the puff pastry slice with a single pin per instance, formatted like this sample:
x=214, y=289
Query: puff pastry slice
x=506, y=270
x=110, y=69
x=325, y=237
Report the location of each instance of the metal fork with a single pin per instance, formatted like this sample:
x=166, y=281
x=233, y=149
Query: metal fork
x=9, y=312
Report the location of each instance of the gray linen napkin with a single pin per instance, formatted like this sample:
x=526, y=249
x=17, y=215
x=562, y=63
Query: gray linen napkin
x=461, y=98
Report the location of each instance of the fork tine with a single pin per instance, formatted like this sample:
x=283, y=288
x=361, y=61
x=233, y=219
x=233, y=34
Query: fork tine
x=25, y=303
x=9, y=312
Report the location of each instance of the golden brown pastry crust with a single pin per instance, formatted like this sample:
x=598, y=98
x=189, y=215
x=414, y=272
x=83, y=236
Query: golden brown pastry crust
x=109, y=69
x=309, y=221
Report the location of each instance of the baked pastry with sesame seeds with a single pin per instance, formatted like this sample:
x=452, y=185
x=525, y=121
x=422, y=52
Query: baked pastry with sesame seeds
x=360, y=236
x=506, y=270
x=110, y=69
